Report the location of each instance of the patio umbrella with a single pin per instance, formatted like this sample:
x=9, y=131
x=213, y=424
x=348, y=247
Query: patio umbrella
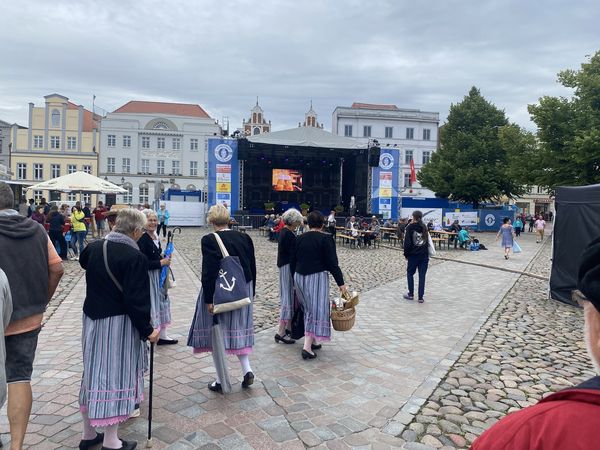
x=79, y=182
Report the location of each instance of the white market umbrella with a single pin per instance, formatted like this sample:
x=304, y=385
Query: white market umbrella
x=79, y=182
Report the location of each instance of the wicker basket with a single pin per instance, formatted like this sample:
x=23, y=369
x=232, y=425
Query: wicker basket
x=343, y=320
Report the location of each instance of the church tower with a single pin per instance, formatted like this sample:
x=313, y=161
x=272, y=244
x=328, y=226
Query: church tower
x=256, y=124
x=310, y=118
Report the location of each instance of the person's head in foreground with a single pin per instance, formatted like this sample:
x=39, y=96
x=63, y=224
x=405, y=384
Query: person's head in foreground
x=567, y=419
x=218, y=216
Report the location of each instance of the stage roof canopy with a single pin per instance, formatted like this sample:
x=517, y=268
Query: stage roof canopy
x=306, y=137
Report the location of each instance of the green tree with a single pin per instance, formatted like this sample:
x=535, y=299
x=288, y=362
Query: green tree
x=471, y=165
x=569, y=130
x=523, y=155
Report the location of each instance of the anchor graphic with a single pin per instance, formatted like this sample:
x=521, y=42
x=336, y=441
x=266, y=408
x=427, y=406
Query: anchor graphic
x=229, y=287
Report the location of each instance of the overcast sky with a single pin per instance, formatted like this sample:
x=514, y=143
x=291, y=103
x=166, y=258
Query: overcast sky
x=223, y=54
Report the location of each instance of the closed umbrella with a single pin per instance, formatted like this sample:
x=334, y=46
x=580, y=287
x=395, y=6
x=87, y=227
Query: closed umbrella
x=219, y=357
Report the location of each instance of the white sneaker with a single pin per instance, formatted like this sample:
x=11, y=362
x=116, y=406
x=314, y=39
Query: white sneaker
x=135, y=413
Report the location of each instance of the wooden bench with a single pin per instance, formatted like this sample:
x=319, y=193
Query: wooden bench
x=345, y=239
x=440, y=241
x=244, y=229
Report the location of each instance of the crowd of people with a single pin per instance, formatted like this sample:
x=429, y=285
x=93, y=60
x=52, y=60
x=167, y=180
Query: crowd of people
x=127, y=304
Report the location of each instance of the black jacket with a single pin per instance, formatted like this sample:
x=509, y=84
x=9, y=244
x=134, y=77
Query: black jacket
x=103, y=298
x=56, y=221
x=415, y=240
x=237, y=244
x=315, y=252
x=24, y=259
x=150, y=251
x=285, y=248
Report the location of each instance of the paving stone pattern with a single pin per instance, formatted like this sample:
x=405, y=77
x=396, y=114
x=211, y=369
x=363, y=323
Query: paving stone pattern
x=363, y=390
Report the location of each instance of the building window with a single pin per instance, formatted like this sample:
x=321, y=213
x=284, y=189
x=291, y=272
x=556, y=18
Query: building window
x=407, y=180
x=161, y=126
x=175, y=166
x=410, y=133
x=112, y=140
x=160, y=167
x=71, y=143
x=176, y=143
x=145, y=141
x=194, y=144
x=71, y=168
x=21, y=171
x=143, y=193
x=193, y=168
x=38, y=171
x=389, y=132
x=160, y=142
x=72, y=196
x=87, y=198
x=55, y=142
x=408, y=156
x=55, y=118
x=348, y=130
x=367, y=131
x=54, y=196
x=37, y=196
x=426, y=157
x=145, y=166
x=426, y=134
x=126, y=141
x=38, y=141
x=87, y=169
x=55, y=170
x=256, y=131
x=128, y=198
x=110, y=165
x=126, y=165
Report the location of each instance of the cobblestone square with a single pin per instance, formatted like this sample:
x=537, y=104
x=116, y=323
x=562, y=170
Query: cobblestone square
x=417, y=376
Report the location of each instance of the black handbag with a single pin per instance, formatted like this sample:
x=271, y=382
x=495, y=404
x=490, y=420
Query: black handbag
x=297, y=325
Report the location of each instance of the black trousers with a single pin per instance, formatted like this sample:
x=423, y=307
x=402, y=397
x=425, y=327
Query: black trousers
x=164, y=229
x=57, y=236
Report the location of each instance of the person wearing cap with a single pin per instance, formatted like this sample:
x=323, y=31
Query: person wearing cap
x=567, y=419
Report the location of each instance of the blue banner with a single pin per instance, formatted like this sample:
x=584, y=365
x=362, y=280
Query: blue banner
x=385, y=184
x=223, y=173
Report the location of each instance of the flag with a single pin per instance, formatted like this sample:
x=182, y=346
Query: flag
x=413, y=174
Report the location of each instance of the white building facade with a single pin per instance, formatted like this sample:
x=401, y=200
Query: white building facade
x=413, y=132
x=149, y=147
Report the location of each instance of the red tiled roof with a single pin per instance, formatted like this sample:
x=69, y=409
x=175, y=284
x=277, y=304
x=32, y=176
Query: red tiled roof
x=373, y=106
x=88, y=122
x=175, y=109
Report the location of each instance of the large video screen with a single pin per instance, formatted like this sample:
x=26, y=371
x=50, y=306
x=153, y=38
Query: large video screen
x=287, y=180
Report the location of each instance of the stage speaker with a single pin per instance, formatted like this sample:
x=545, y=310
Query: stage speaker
x=243, y=152
x=374, y=153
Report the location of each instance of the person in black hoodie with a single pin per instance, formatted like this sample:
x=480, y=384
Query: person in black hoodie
x=116, y=322
x=416, y=251
x=57, y=221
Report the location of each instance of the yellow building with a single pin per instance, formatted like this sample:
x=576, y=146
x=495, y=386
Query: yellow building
x=62, y=138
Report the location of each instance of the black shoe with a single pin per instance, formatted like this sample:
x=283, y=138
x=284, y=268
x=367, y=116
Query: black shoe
x=308, y=355
x=124, y=445
x=316, y=346
x=167, y=342
x=421, y=300
x=284, y=339
x=215, y=387
x=84, y=444
x=248, y=380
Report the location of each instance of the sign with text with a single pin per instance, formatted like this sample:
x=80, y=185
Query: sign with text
x=223, y=173
x=385, y=184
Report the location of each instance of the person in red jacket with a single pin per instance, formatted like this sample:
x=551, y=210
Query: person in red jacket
x=567, y=419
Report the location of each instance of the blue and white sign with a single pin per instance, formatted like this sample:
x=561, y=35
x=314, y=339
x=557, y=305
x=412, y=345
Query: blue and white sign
x=223, y=173
x=385, y=184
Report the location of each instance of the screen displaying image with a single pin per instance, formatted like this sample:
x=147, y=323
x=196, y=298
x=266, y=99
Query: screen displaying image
x=287, y=180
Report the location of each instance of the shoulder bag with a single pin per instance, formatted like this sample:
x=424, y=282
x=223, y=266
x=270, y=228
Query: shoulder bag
x=231, y=289
x=110, y=274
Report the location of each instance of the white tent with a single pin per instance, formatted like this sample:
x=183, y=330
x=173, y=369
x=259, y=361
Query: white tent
x=306, y=137
x=79, y=182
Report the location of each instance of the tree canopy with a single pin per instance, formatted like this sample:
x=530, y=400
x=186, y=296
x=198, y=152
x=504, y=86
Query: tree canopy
x=471, y=165
x=569, y=131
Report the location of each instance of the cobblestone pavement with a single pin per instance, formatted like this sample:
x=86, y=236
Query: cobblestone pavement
x=362, y=392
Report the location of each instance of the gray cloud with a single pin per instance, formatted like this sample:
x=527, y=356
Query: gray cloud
x=221, y=55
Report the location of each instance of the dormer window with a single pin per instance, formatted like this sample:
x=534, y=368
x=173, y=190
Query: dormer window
x=55, y=116
x=160, y=126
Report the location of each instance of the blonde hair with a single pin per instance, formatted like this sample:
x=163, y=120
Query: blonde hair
x=218, y=215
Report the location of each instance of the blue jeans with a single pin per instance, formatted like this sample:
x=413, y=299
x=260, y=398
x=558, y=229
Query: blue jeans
x=419, y=262
x=78, y=236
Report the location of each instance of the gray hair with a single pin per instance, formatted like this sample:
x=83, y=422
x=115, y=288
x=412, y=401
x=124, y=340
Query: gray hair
x=149, y=212
x=129, y=220
x=7, y=198
x=292, y=217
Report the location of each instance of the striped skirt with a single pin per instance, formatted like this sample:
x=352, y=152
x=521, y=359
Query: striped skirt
x=286, y=293
x=313, y=291
x=237, y=326
x=113, y=369
x=160, y=311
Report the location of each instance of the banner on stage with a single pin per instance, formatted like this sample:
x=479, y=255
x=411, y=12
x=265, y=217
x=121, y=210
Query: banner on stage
x=223, y=173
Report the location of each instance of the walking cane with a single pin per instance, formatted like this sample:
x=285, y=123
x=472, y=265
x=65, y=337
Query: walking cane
x=149, y=441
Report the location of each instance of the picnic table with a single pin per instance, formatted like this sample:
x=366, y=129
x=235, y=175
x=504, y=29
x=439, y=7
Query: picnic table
x=442, y=236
